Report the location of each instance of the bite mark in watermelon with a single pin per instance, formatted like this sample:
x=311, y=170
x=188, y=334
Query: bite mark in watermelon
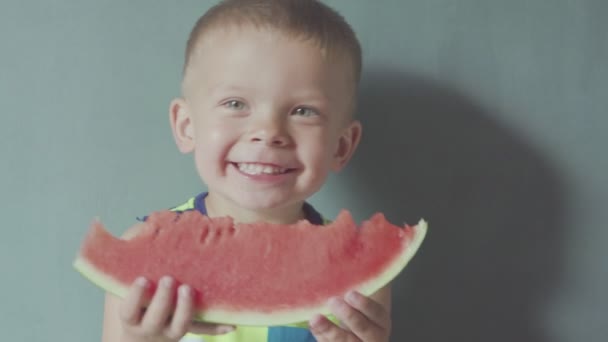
x=253, y=274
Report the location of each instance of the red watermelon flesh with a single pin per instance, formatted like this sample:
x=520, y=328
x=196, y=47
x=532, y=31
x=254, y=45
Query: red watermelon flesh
x=253, y=274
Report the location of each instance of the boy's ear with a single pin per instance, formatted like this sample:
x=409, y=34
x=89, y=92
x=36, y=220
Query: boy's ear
x=181, y=125
x=349, y=140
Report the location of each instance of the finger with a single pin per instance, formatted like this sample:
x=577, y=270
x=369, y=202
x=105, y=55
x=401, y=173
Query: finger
x=354, y=320
x=183, y=313
x=325, y=331
x=157, y=315
x=373, y=310
x=182, y=318
x=210, y=328
x=131, y=308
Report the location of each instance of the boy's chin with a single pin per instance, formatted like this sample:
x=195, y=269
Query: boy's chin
x=265, y=205
x=275, y=202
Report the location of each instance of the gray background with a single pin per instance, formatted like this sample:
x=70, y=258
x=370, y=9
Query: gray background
x=488, y=118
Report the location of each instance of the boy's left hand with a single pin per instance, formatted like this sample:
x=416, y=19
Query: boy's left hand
x=362, y=320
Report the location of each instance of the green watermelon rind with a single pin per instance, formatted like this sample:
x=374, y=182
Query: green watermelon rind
x=289, y=317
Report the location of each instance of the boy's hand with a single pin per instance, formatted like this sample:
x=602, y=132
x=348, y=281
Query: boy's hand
x=363, y=320
x=166, y=319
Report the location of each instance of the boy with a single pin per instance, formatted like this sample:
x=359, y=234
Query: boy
x=268, y=94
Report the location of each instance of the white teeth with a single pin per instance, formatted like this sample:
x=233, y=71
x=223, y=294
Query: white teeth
x=258, y=169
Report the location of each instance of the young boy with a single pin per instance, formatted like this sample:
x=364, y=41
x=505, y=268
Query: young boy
x=268, y=96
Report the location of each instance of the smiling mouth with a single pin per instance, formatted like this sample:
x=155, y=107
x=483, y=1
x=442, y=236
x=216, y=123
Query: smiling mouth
x=255, y=169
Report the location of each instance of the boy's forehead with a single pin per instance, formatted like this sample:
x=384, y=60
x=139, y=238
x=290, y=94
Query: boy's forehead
x=210, y=36
x=216, y=44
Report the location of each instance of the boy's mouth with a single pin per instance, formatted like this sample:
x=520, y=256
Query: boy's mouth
x=255, y=169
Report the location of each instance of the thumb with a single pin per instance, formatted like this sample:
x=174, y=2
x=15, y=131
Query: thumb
x=325, y=331
x=209, y=328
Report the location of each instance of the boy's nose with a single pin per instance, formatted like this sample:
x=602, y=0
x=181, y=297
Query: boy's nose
x=271, y=134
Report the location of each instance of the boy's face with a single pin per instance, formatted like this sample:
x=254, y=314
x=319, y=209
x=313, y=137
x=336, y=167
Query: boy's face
x=267, y=117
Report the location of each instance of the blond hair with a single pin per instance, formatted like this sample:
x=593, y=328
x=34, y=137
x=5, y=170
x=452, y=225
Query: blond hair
x=306, y=19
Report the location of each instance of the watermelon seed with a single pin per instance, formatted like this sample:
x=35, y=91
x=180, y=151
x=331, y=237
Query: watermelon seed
x=156, y=231
x=204, y=235
x=177, y=216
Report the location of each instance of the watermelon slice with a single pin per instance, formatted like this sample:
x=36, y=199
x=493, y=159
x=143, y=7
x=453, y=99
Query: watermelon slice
x=253, y=274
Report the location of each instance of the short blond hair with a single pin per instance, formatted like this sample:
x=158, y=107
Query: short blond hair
x=307, y=19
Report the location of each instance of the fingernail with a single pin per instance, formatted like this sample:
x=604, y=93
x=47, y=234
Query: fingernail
x=142, y=282
x=351, y=297
x=166, y=281
x=184, y=291
x=225, y=329
x=334, y=301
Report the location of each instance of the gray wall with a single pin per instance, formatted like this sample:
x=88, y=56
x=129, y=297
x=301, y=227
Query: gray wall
x=488, y=118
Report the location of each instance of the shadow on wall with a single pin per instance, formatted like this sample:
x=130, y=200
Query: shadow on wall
x=494, y=205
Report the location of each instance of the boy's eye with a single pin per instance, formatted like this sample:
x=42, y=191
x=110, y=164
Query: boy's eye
x=234, y=104
x=304, y=111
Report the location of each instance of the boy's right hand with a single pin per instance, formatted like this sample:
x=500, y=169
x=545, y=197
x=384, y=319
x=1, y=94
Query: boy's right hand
x=165, y=319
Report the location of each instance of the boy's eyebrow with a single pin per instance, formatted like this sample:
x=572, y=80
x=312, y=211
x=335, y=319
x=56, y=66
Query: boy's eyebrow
x=305, y=94
x=226, y=88
x=313, y=94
